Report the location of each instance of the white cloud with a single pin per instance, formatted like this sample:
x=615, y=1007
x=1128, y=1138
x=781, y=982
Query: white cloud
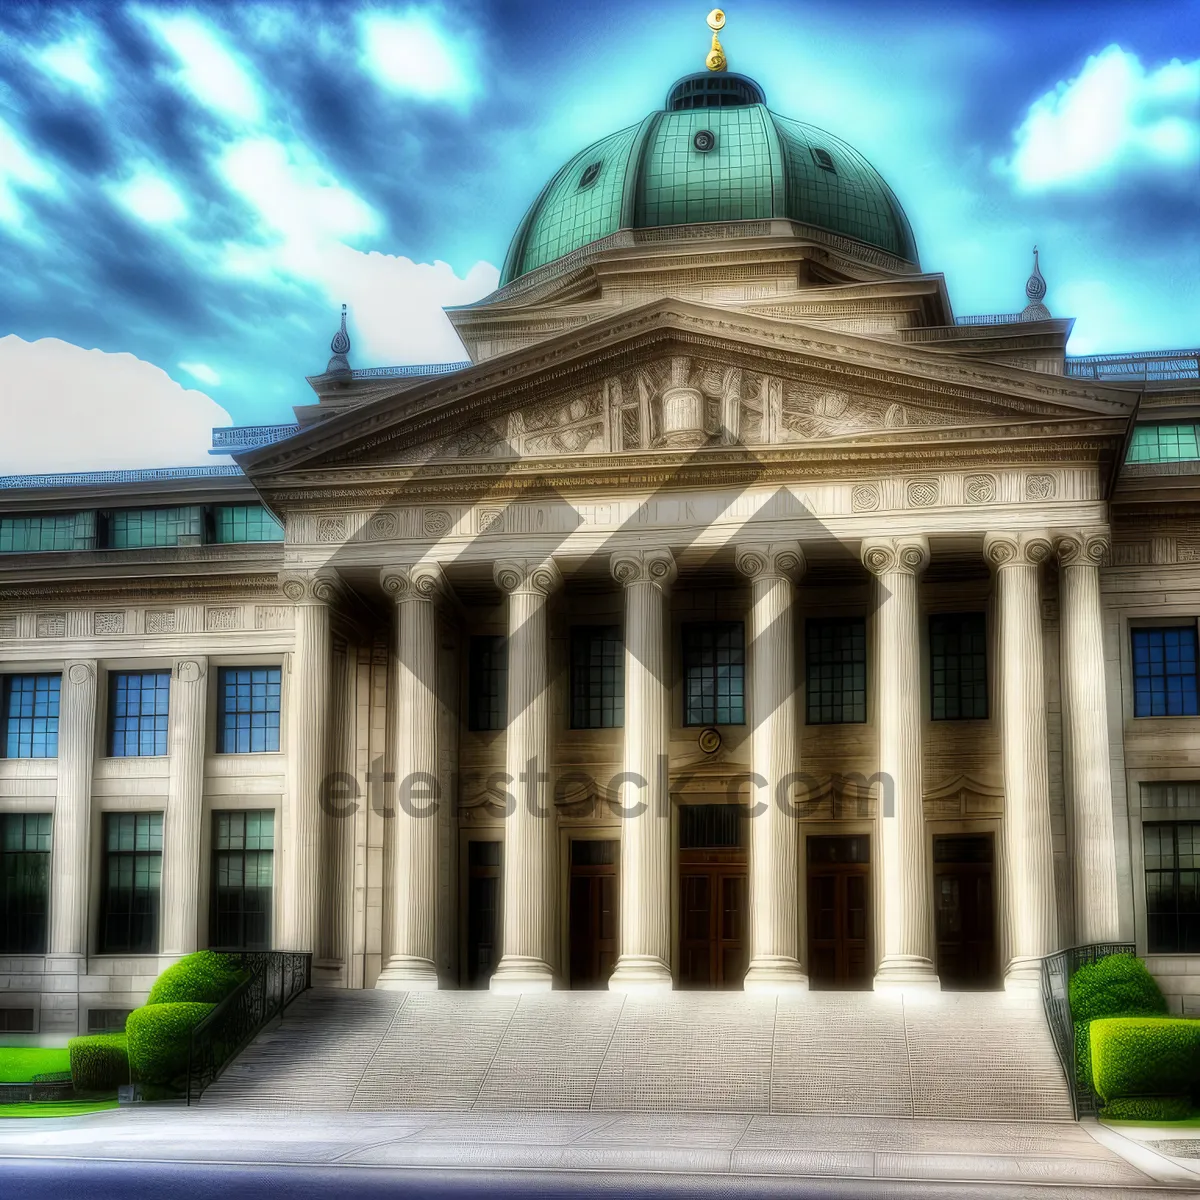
x=150, y=198
x=1113, y=118
x=207, y=68
x=64, y=408
x=18, y=169
x=71, y=62
x=202, y=372
x=411, y=54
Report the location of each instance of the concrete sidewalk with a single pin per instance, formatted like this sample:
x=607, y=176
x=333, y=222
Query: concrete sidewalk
x=578, y=1151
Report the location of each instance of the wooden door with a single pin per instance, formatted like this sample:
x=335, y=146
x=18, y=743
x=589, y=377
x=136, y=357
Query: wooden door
x=712, y=920
x=483, y=912
x=839, y=913
x=593, y=912
x=965, y=912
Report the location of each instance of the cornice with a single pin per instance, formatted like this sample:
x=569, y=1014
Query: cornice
x=74, y=593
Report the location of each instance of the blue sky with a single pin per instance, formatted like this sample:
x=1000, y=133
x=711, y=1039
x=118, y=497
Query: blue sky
x=189, y=192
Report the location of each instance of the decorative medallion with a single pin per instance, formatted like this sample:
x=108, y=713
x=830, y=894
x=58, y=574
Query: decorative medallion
x=922, y=493
x=437, y=522
x=980, y=489
x=382, y=527
x=331, y=529
x=79, y=673
x=160, y=621
x=110, y=622
x=1039, y=487
x=709, y=741
x=864, y=497
x=490, y=520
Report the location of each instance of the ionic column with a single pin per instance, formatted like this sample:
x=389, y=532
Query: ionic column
x=1028, y=853
x=307, y=723
x=1085, y=726
x=529, y=841
x=774, y=936
x=72, y=808
x=645, y=913
x=413, y=964
x=185, y=808
x=907, y=934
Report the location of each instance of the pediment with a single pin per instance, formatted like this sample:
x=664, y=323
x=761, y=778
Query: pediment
x=675, y=375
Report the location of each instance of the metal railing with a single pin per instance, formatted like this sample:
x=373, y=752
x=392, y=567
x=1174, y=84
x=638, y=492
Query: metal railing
x=1057, y=970
x=1150, y=365
x=276, y=978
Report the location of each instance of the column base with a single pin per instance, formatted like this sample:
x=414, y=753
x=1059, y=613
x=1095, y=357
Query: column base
x=775, y=975
x=407, y=973
x=906, y=972
x=1022, y=974
x=640, y=973
x=516, y=974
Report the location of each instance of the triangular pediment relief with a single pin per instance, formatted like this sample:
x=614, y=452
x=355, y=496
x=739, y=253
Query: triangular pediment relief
x=673, y=375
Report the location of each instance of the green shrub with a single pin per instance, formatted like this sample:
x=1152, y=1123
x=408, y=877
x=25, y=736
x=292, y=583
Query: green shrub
x=1148, y=1108
x=1145, y=1056
x=201, y=978
x=1116, y=986
x=1083, y=1053
x=99, y=1062
x=158, y=1039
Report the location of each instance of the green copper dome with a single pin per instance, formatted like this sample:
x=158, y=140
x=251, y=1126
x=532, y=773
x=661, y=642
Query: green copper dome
x=719, y=156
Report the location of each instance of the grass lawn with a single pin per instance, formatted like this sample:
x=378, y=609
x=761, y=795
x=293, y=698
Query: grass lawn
x=1192, y=1122
x=55, y=1108
x=19, y=1064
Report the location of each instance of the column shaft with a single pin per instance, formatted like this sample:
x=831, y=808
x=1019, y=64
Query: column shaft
x=907, y=932
x=185, y=808
x=1085, y=725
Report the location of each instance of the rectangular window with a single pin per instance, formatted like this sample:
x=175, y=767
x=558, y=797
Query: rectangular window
x=958, y=666
x=1172, y=887
x=597, y=677
x=132, y=528
x=137, y=713
x=30, y=707
x=132, y=881
x=836, y=671
x=248, y=710
x=29, y=534
x=24, y=882
x=488, y=692
x=245, y=523
x=16, y=1020
x=243, y=874
x=714, y=673
x=107, y=1020
x=1164, y=672
x=1164, y=443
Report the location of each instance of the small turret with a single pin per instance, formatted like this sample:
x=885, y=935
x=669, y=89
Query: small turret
x=1035, y=290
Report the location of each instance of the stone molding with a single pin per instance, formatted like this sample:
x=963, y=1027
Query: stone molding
x=422, y=581
x=527, y=575
x=1002, y=550
x=758, y=560
x=1084, y=546
x=884, y=556
x=644, y=566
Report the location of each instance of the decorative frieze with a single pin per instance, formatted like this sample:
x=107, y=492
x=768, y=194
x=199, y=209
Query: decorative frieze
x=221, y=619
x=110, y=622
x=922, y=493
x=980, y=489
x=1039, y=487
x=273, y=616
x=51, y=625
x=160, y=620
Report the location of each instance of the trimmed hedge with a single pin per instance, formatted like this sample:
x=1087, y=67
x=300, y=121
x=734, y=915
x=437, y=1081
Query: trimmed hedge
x=1145, y=1057
x=205, y=977
x=158, y=1039
x=1115, y=986
x=99, y=1062
x=1148, y=1108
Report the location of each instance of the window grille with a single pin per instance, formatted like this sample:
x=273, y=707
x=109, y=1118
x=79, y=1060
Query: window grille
x=24, y=882
x=836, y=671
x=137, y=713
x=242, y=879
x=131, y=528
x=245, y=523
x=28, y=534
x=958, y=667
x=597, y=677
x=248, y=710
x=488, y=691
x=1172, y=853
x=1164, y=443
x=714, y=672
x=1164, y=672
x=710, y=826
x=30, y=707
x=132, y=883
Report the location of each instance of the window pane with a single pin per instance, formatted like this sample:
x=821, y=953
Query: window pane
x=30, y=710
x=1172, y=887
x=958, y=666
x=597, y=677
x=488, y=699
x=714, y=673
x=137, y=713
x=1164, y=443
x=245, y=523
x=242, y=878
x=132, y=881
x=248, y=709
x=1164, y=672
x=30, y=534
x=131, y=528
x=836, y=671
x=24, y=882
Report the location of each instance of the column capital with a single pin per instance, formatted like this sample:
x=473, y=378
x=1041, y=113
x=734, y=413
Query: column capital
x=643, y=566
x=1016, y=549
x=311, y=587
x=424, y=581
x=760, y=560
x=908, y=554
x=190, y=670
x=532, y=576
x=1087, y=547
x=80, y=671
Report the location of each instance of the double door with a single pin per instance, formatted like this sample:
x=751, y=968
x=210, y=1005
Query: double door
x=593, y=912
x=965, y=912
x=839, y=916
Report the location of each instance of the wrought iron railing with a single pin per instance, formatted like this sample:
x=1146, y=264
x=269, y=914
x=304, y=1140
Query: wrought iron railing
x=1057, y=970
x=275, y=979
x=1151, y=365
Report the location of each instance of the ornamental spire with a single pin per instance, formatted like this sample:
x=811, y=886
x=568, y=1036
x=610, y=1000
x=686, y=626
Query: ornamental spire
x=340, y=345
x=716, y=60
x=1035, y=290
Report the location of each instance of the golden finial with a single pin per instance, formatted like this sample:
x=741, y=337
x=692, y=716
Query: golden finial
x=716, y=56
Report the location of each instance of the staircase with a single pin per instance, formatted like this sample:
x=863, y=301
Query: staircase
x=953, y=1055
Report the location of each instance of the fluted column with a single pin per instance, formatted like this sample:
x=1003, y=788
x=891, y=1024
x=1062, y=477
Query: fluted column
x=72, y=808
x=529, y=831
x=774, y=935
x=1028, y=852
x=307, y=724
x=1085, y=729
x=645, y=912
x=185, y=808
x=906, y=944
x=413, y=964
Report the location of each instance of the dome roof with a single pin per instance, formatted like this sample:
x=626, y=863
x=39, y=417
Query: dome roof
x=717, y=153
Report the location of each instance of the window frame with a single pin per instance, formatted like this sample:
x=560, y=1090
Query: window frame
x=586, y=697
x=266, y=818
x=111, y=732
x=152, y=855
x=221, y=729
x=982, y=633
x=1163, y=627
x=54, y=700
x=811, y=664
x=477, y=670
x=10, y=945
x=735, y=706
x=1175, y=870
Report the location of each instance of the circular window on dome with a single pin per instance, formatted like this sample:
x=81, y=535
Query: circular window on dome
x=704, y=140
x=590, y=173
